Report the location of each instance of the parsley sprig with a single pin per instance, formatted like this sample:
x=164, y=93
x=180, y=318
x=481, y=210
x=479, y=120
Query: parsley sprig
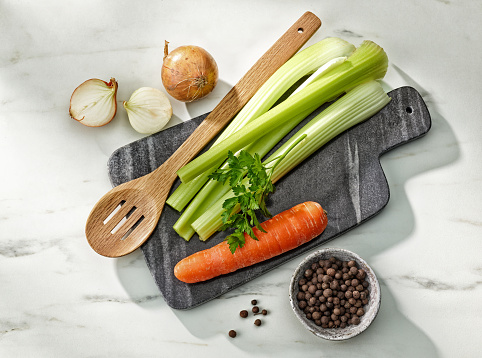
x=250, y=181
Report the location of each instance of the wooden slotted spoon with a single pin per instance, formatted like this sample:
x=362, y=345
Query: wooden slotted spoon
x=124, y=218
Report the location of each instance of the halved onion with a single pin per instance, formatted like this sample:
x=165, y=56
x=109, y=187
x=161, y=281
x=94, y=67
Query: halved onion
x=148, y=110
x=93, y=103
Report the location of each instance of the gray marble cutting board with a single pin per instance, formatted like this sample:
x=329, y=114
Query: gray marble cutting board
x=345, y=177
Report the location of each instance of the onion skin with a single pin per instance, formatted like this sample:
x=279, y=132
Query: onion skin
x=189, y=73
x=111, y=84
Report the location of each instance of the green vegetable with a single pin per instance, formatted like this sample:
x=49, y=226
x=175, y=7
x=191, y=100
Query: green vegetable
x=368, y=62
x=357, y=105
x=300, y=65
x=250, y=193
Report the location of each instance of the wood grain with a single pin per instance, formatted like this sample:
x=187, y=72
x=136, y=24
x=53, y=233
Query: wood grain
x=144, y=198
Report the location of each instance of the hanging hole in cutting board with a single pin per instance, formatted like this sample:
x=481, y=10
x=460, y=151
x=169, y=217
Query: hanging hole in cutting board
x=300, y=30
x=409, y=110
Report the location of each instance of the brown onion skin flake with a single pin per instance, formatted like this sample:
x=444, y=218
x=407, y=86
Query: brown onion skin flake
x=332, y=293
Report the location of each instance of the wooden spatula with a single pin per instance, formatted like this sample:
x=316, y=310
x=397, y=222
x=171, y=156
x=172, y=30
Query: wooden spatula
x=125, y=217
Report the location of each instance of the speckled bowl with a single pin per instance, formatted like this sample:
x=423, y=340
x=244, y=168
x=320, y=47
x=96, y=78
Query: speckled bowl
x=371, y=309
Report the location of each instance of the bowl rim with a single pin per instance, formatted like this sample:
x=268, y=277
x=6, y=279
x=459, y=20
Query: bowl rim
x=327, y=333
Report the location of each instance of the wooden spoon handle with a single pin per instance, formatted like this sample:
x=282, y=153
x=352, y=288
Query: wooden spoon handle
x=282, y=50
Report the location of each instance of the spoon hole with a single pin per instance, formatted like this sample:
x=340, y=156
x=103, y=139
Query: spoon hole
x=123, y=220
x=114, y=212
x=132, y=228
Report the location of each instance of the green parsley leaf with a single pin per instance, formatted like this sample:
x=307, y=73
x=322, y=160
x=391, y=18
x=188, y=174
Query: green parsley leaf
x=250, y=181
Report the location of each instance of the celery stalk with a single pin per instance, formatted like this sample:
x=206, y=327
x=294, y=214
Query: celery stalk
x=368, y=62
x=357, y=105
x=304, y=63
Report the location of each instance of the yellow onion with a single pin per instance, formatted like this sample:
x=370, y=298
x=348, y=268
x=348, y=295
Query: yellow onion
x=188, y=73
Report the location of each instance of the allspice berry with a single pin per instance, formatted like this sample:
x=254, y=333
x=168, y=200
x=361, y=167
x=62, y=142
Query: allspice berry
x=232, y=333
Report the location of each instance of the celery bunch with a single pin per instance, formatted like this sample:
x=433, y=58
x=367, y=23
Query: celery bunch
x=259, y=129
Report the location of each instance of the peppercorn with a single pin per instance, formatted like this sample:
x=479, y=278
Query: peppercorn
x=257, y=322
x=232, y=333
x=264, y=312
x=254, y=302
x=255, y=309
x=316, y=315
x=243, y=313
x=328, y=292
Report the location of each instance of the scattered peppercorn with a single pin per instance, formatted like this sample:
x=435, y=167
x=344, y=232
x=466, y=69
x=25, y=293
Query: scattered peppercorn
x=254, y=302
x=257, y=322
x=232, y=333
x=243, y=313
x=255, y=309
x=264, y=312
x=332, y=293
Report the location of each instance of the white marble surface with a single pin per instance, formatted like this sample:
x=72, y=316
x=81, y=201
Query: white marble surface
x=60, y=299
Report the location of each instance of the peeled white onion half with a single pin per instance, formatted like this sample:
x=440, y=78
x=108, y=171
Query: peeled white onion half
x=149, y=110
x=93, y=103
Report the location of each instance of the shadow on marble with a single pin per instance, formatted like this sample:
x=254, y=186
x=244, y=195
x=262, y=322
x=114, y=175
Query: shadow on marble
x=390, y=335
x=137, y=280
x=438, y=148
x=197, y=108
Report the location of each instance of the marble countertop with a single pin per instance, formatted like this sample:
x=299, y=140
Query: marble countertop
x=60, y=299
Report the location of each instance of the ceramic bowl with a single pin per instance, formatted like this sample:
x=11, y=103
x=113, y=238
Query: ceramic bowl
x=371, y=309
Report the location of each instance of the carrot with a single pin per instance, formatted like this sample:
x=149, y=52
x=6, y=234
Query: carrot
x=284, y=232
